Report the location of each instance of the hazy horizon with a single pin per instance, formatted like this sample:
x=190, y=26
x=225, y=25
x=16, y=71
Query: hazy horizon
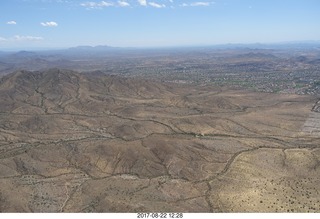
x=37, y=24
x=256, y=45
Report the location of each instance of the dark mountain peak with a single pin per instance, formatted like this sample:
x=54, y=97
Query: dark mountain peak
x=300, y=59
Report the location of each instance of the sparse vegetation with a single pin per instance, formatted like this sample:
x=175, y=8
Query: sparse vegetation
x=225, y=133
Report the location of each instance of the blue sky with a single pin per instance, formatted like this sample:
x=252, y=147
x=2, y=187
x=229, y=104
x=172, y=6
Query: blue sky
x=155, y=23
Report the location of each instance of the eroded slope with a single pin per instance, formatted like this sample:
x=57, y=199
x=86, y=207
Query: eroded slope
x=73, y=142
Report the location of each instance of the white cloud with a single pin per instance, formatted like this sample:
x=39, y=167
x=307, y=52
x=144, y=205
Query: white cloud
x=195, y=4
x=156, y=5
x=19, y=38
x=143, y=2
x=123, y=4
x=200, y=4
x=11, y=22
x=96, y=5
x=49, y=24
x=26, y=38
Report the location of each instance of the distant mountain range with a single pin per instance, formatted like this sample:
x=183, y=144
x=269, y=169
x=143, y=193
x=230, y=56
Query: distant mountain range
x=281, y=45
x=88, y=58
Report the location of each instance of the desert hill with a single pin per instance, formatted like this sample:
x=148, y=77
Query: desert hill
x=72, y=142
